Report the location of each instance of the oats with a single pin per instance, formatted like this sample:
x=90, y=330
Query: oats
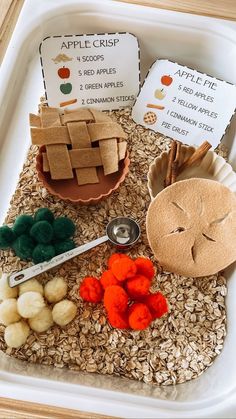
x=175, y=348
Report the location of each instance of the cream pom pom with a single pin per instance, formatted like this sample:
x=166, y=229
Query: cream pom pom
x=43, y=321
x=5, y=290
x=30, y=304
x=64, y=312
x=55, y=289
x=8, y=312
x=32, y=285
x=16, y=334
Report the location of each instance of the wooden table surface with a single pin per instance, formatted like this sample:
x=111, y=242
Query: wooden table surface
x=9, y=12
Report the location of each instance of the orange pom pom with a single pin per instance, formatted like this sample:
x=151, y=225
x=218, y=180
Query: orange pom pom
x=138, y=286
x=118, y=320
x=123, y=268
x=114, y=257
x=145, y=267
x=115, y=299
x=139, y=316
x=108, y=279
x=91, y=290
x=157, y=305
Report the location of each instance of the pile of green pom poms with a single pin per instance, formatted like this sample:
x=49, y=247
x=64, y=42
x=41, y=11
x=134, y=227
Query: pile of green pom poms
x=38, y=238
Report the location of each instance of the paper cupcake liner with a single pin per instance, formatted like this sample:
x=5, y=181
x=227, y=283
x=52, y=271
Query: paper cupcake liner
x=212, y=167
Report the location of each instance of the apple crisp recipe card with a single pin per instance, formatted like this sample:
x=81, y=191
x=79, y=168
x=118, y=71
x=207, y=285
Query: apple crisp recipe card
x=100, y=71
x=185, y=104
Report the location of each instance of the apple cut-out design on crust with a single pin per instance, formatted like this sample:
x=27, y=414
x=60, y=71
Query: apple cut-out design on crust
x=191, y=227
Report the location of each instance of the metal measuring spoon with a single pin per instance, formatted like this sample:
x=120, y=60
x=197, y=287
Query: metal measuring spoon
x=122, y=232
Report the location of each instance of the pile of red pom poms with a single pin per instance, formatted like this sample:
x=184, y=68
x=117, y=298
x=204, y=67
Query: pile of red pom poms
x=125, y=291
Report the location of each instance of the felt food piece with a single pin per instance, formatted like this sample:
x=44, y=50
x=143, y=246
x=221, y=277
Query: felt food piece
x=5, y=290
x=42, y=232
x=42, y=321
x=31, y=285
x=63, y=228
x=157, y=305
x=114, y=257
x=16, y=334
x=22, y=224
x=91, y=290
x=68, y=141
x=138, y=286
x=115, y=298
x=30, y=304
x=6, y=237
x=118, y=320
x=23, y=247
x=55, y=289
x=44, y=214
x=8, y=312
x=123, y=268
x=107, y=279
x=63, y=246
x=43, y=252
x=191, y=227
x=139, y=316
x=145, y=267
x=64, y=312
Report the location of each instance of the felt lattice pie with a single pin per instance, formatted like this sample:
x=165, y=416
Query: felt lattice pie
x=191, y=227
x=77, y=142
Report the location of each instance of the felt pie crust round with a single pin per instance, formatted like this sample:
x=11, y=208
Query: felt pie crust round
x=89, y=194
x=191, y=227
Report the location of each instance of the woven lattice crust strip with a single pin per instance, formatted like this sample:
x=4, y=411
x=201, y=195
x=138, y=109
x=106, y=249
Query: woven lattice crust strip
x=82, y=139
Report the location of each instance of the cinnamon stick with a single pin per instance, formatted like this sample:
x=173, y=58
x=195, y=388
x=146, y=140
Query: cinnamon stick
x=175, y=164
x=196, y=156
x=171, y=158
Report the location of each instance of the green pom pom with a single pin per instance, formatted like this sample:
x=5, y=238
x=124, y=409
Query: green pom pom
x=23, y=247
x=6, y=237
x=43, y=252
x=42, y=232
x=64, y=246
x=44, y=214
x=63, y=228
x=22, y=224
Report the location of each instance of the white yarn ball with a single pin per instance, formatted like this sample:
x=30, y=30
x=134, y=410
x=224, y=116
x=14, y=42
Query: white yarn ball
x=30, y=304
x=5, y=290
x=16, y=334
x=8, y=312
x=55, y=289
x=42, y=321
x=64, y=312
x=32, y=285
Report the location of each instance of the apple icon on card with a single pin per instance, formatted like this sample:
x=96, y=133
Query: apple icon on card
x=159, y=94
x=66, y=88
x=63, y=72
x=166, y=80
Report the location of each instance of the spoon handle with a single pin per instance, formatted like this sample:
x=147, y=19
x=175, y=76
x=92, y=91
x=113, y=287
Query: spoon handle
x=22, y=276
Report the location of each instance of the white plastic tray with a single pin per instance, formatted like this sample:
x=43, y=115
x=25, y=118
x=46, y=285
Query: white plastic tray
x=206, y=44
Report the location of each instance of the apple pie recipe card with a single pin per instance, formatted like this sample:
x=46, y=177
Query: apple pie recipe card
x=99, y=71
x=185, y=104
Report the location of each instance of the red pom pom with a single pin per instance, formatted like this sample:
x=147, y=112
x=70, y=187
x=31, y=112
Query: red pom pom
x=157, y=305
x=139, y=316
x=145, y=267
x=108, y=279
x=118, y=320
x=138, y=286
x=114, y=257
x=123, y=268
x=115, y=299
x=91, y=290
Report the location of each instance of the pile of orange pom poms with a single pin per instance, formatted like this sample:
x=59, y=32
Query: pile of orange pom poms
x=125, y=291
